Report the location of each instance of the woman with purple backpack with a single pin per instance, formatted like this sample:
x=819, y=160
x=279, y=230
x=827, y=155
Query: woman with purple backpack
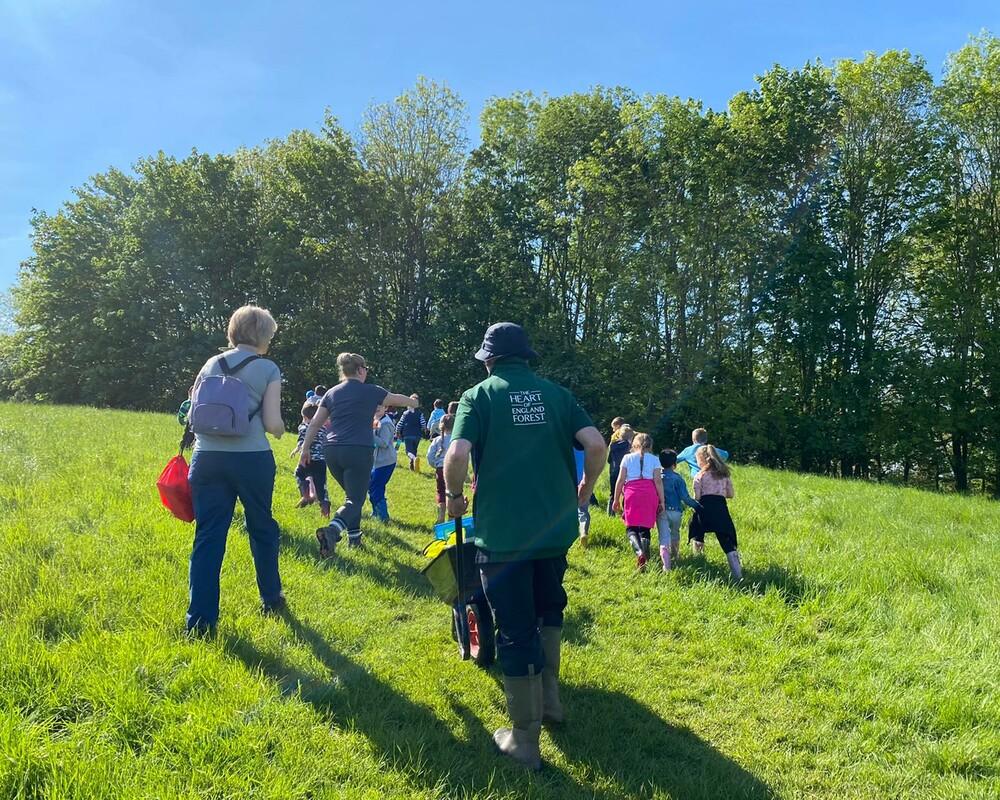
x=236, y=402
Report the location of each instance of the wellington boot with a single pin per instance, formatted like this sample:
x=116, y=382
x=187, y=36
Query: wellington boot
x=416, y=464
x=734, y=564
x=552, y=710
x=665, y=557
x=524, y=704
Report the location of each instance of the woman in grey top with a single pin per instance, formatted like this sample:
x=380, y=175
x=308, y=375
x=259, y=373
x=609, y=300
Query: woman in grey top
x=224, y=468
x=350, y=407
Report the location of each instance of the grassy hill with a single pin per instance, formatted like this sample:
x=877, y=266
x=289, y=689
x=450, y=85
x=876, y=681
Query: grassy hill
x=859, y=658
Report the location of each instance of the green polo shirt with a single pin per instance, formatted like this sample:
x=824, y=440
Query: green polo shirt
x=522, y=428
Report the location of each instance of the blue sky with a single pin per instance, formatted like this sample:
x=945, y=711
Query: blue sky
x=88, y=84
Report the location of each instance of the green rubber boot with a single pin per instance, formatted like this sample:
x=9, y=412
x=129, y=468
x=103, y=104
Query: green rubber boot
x=524, y=704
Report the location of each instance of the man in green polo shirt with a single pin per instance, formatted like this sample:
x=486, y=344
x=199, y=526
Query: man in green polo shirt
x=519, y=430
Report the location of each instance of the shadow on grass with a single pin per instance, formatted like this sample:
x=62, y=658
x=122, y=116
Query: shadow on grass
x=577, y=625
x=637, y=753
x=376, y=562
x=646, y=756
x=756, y=582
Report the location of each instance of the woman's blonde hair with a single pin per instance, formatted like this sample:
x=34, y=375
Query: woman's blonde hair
x=251, y=325
x=626, y=432
x=349, y=364
x=716, y=465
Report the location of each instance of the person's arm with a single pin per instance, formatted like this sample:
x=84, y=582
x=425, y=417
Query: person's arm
x=393, y=399
x=723, y=454
x=593, y=461
x=729, y=488
x=658, y=482
x=270, y=410
x=322, y=414
x=619, y=489
x=686, y=497
x=456, y=468
x=433, y=452
x=384, y=435
x=697, y=487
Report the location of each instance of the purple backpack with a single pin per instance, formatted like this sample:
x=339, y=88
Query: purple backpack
x=221, y=403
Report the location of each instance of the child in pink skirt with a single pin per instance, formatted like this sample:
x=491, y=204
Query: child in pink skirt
x=640, y=484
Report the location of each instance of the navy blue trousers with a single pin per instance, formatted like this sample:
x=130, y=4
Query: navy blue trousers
x=524, y=596
x=218, y=479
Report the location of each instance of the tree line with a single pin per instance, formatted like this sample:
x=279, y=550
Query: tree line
x=813, y=273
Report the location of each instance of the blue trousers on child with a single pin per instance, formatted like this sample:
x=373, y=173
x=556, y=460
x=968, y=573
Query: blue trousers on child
x=376, y=491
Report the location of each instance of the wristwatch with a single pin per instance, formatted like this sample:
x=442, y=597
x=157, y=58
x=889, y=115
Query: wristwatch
x=453, y=495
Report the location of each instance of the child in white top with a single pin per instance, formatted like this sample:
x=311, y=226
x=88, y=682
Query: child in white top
x=641, y=486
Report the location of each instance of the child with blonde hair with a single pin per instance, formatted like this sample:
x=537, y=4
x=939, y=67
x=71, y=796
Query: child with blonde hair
x=640, y=485
x=713, y=485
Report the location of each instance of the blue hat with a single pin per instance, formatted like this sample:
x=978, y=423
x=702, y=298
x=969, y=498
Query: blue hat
x=505, y=339
x=310, y=393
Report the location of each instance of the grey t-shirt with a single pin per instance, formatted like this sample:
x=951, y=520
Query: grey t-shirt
x=352, y=405
x=256, y=376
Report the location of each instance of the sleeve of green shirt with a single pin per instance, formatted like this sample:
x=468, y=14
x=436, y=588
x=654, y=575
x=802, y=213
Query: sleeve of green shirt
x=466, y=421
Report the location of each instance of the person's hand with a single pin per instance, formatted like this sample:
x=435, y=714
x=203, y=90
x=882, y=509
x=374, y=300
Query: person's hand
x=617, y=507
x=457, y=506
x=305, y=459
x=660, y=507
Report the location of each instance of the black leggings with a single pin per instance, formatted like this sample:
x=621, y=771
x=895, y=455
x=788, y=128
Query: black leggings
x=638, y=537
x=351, y=467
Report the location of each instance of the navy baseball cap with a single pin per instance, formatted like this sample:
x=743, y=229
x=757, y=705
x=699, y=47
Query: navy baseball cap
x=505, y=339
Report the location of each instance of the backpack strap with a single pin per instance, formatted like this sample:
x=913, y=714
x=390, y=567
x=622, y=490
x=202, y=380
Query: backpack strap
x=227, y=370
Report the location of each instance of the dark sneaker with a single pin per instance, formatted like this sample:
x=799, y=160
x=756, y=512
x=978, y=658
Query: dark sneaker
x=324, y=508
x=327, y=536
x=354, y=539
x=201, y=630
x=274, y=607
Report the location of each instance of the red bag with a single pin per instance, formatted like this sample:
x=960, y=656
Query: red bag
x=175, y=491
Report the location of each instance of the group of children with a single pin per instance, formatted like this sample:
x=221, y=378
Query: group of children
x=388, y=432
x=651, y=494
x=645, y=487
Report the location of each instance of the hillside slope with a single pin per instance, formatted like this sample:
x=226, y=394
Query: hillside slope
x=857, y=660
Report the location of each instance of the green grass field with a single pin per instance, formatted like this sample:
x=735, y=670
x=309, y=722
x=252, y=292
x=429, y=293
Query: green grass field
x=859, y=658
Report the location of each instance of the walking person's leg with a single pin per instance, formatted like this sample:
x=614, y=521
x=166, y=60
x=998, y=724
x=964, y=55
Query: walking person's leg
x=376, y=491
x=357, y=466
x=255, y=486
x=550, y=604
x=509, y=588
x=613, y=479
x=214, y=498
x=318, y=474
x=302, y=481
x=330, y=534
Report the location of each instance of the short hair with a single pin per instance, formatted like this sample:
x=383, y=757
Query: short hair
x=320, y=389
x=453, y=407
x=309, y=410
x=625, y=433
x=349, y=364
x=668, y=459
x=447, y=422
x=617, y=422
x=700, y=435
x=251, y=325
x=439, y=403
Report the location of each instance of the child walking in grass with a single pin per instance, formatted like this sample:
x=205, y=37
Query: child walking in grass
x=384, y=431
x=435, y=457
x=618, y=449
x=689, y=455
x=641, y=487
x=311, y=478
x=675, y=497
x=712, y=486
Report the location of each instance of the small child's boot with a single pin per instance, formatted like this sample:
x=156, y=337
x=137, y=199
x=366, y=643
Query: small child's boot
x=416, y=464
x=665, y=557
x=305, y=498
x=733, y=557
